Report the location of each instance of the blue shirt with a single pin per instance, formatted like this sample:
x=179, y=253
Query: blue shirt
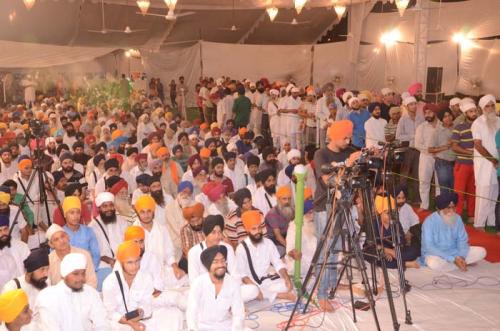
x=443, y=240
x=85, y=238
x=358, y=119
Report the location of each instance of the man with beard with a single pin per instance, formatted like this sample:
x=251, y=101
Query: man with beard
x=69, y=137
x=250, y=172
x=254, y=256
x=264, y=197
x=288, y=111
x=78, y=154
x=456, y=110
x=21, y=229
x=158, y=241
x=424, y=140
x=278, y=218
x=174, y=215
x=484, y=130
x=191, y=233
x=463, y=145
x=109, y=229
x=387, y=102
x=12, y=253
x=36, y=276
x=358, y=116
x=407, y=217
x=270, y=160
x=111, y=168
x=445, y=244
x=71, y=304
x=8, y=167
x=218, y=175
x=219, y=202
x=244, y=145
x=68, y=168
x=375, y=126
x=93, y=176
x=293, y=157
x=215, y=301
x=171, y=171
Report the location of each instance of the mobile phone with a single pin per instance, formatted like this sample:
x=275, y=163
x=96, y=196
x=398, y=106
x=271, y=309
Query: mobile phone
x=132, y=314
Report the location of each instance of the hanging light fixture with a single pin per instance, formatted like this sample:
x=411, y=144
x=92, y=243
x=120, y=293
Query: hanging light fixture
x=143, y=6
x=299, y=5
x=29, y=4
x=340, y=10
x=272, y=12
x=171, y=4
x=12, y=16
x=402, y=5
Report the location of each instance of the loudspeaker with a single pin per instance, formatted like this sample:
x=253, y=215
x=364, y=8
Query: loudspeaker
x=434, y=79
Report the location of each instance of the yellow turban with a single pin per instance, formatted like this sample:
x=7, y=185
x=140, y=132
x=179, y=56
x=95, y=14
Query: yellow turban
x=3, y=126
x=24, y=163
x=4, y=198
x=12, y=304
x=251, y=218
x=134, y=232
x=145, y=202
x=284, y=192
x=71, y=203
x=127, y=250
x=116, y=134
x=381, y=205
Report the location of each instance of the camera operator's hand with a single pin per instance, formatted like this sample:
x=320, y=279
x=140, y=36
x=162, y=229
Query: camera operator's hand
x=353, y=158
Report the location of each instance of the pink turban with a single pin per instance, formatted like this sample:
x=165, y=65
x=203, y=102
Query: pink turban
x=216, y=192
x=414, y=88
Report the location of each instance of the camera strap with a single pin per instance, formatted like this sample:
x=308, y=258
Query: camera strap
x=121, y=289
x=105, y=236
x=24, y=188
x=250, y=264
x=268, y=201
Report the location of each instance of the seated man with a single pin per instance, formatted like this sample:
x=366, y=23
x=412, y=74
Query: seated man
x=254, y=257
x=192, y=232
x=214, y=301
x=15, y=311
x=278, y=218
x=445, y=244
x=408, y=218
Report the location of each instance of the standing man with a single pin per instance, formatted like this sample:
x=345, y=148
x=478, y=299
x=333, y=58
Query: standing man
x=242, y=108
x=484, y=130
x=290, y=110
x=375, y=126
x=358, y=116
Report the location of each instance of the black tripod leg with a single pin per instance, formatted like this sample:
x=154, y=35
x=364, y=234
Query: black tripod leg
x=349, y=277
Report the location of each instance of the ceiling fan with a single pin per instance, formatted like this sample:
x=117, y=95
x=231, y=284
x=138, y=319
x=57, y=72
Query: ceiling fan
x=294, y=22
x=233, y=27
x=105, y=30
x=171, y=16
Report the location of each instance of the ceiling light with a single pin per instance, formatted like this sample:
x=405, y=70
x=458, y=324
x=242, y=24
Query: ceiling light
x=463, y=40
x=171, y=4
x=272, y=12
x=390, y=38
x=340, y=11
x=299, y=5
x=402, y=5
x=127, y=54
x=143, y=6
x=29, y=4
x=12, y=16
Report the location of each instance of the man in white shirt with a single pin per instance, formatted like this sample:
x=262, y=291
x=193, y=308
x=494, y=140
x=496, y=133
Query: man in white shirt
x=71, y=304
x=274, y=118
x=108, y=228
x=374, y=128
x=112, y=168
x=254, y=256
x=265, y=196
x=424, y=138
x=234, y=171
x=35, y=278
x=293, y=157
x=253, y=95
x=12, y=253
x=485, y=159
x=173, y=214
x=8, y=167
x=290, y=112
x=407, y=216
x=214, y=301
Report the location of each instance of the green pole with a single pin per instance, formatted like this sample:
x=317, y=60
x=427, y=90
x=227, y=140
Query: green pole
x=300, y=174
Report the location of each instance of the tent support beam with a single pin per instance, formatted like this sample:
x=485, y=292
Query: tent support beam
x=252, y=28
x=329, y=27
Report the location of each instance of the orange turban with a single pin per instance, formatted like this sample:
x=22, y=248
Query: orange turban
x=134, y=232
x=154, y=147
x=145, y=202
x=162, y=151
x=308, y=193
x=195, y=210
x=381, y=205
x=204, y=126
x=242, y=131
x=340, y=130
x=284, y=192
x=205, y=153
x=251, y=218
x=128, y=250
x=116, y=134
x=25, y=163
x=12, y=304
x=71, y=202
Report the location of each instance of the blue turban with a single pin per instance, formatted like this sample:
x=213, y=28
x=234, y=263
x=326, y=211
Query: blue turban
x=184, y=185
x=4, y=220
x=308, y=206
x=444, y=199
x=373, y=105
x=289, y=170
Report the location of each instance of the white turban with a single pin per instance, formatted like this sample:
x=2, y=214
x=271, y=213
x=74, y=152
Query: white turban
x=351, y=101
x=274, y=92
x=53, y=229
x=455, y=101
x=347, y=95
x=219, y=81
x=252, y=85
x=409, y=100
x=192, y=136
x=293, y=153
x=72, y=262
x=231, y=147
x=362, y=96
x=386, y=91
x=295, y=90
x=484, y=101
x=49, y=140
x=289, y=88
x=467, y=106
x=405, y=95
x=104, y=197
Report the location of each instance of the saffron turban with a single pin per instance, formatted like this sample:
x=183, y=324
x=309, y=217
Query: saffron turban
x=162, y=151
x=72, y=262
x=211, y=222
x=251, y=218
x=134, y=232
x=116, y=134
x=204, y=126
x=25, y=163
x=71, y=202
x=381, y=204
x=242, y=131
x=4, y=198
x=12, y=304
x=128, y=250
x=284, y=192
x=340, y=130
x=205, y=153
x=308, y=193
x=216, y=192
x=145, y=202
x=195, y=210
x=104, y=197
x=52, y=230
x=414, y=88
x=208, y=255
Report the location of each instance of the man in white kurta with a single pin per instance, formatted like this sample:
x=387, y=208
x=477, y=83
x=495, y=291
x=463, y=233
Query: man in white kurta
x=173, y=215
x=214, y=301
x=12, y=253
x=291, y=118
x=424, y=138
x=374, y=128
x=71, y=304
x=274, y=117
x=485, y=159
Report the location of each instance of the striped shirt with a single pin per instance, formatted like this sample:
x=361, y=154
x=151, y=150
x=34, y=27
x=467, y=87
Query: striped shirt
x=462, y=135
x=234, y=229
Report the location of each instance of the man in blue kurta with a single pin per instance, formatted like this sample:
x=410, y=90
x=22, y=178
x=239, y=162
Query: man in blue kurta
x=358, y=117
x=445, y=244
